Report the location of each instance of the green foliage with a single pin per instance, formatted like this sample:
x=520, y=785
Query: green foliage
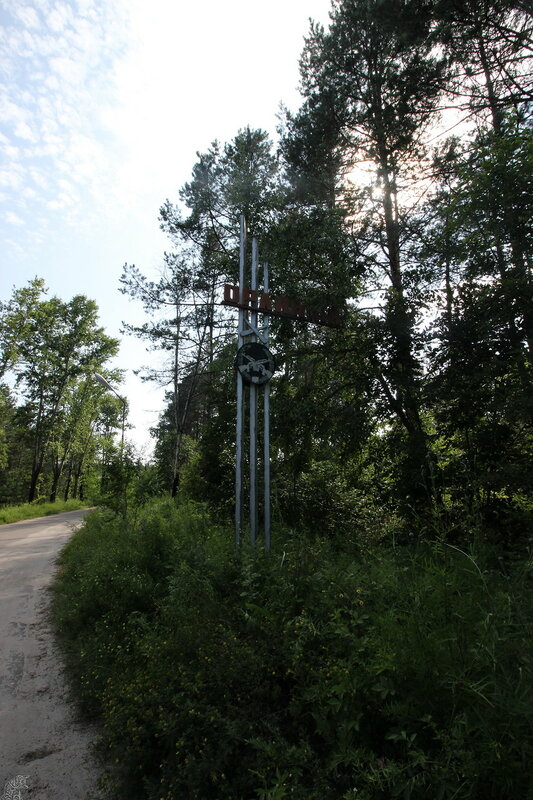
x=32, y=510
x=16, y=318
x=6, y=416
x=302, y=674
x=480, y=387
x=240, y=177
x=50, y=349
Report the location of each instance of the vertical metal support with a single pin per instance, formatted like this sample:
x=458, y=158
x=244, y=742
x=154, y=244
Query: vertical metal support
x=253, y=413
x=266, y=431
x=246, y=329
x=240, y=391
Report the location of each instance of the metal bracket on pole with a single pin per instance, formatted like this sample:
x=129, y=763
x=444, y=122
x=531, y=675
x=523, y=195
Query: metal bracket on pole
x=257, y=332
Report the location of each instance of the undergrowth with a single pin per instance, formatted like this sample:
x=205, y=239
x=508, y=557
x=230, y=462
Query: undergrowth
x=306, y=673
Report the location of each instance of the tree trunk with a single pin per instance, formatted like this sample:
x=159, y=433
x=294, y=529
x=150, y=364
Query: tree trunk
x=35, y=473
x=37, y=463
x=68, y=482
x=420, y=469
x=55, y=484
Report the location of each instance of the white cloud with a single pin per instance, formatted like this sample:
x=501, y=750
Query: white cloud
x=23, y=131
x=42, y=5
x=59, y=18
x=12, y=152
x=27, y=15
x=38, y=178
x=11, y=112
x=11, y=177
x=68, y=70
x=57, y=62
x=16, y=246
x=13, y=219
x=52, y=83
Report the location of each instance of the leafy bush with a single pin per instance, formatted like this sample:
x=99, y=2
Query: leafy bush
x=300, y=674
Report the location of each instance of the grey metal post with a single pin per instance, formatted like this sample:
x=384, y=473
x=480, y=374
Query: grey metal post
x=253, y=414
x=240, y=393
x=266, y=434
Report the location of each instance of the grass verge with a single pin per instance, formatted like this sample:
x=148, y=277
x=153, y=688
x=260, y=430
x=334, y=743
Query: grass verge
x=32, y=510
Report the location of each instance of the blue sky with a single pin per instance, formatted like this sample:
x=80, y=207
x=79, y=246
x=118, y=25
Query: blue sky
x=103, y=106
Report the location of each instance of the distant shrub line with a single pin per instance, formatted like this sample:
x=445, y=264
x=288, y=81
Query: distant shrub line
x=311, y=673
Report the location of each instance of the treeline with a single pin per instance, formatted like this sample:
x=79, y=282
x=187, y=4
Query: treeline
x=401, y=193
x=56, y=422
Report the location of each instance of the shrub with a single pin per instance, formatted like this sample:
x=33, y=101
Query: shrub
x=300, y=674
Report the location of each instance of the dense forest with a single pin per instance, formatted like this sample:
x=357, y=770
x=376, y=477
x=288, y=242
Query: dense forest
x=383, y=648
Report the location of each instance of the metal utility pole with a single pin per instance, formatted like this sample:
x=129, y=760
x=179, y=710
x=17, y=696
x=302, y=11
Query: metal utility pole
x=266, y=434
x=255, y=366
x=240, y=389
x=253, y=411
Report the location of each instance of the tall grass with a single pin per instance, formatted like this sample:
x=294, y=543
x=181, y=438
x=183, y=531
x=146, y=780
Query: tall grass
x=33, y=510
x=303, y=674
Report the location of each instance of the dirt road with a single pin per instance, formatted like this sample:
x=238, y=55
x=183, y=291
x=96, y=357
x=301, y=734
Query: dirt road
x=41, y=737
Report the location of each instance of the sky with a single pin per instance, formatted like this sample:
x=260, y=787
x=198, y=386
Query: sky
x=103, y=107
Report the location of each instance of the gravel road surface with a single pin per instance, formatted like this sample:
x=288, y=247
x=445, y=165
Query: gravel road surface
x=41, y=737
